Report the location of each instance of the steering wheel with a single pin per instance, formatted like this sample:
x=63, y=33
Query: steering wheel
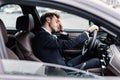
x=89, y=44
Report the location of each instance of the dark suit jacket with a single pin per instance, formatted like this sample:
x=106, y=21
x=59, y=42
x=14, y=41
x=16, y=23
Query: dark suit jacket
x=46, y=47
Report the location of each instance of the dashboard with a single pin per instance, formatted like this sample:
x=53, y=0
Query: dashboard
x=114, y=63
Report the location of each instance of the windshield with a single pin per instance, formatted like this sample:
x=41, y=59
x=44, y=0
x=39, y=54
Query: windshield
x=16, y=67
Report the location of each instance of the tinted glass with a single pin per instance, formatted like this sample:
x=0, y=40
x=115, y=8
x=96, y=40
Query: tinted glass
x=9, y=14
x=69, y=21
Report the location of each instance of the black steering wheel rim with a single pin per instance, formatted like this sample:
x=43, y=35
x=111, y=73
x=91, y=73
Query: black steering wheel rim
x=90, y=42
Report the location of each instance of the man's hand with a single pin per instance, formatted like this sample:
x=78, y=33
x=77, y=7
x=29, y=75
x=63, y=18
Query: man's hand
x=61, y=27
x=92, y=28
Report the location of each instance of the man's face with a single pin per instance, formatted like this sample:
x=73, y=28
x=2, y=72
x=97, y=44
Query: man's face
x=54, y=24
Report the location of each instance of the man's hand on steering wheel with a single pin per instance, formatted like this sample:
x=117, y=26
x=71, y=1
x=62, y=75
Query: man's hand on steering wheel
x=92, y=28
x=91, y=41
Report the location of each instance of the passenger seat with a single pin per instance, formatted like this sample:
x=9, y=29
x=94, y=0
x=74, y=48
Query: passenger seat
x=24, y=37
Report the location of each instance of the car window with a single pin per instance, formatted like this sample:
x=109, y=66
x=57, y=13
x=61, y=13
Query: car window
x=68, y=20
x=15, y=67
x=9, y=14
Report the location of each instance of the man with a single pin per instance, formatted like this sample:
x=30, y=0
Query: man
x=47, y=48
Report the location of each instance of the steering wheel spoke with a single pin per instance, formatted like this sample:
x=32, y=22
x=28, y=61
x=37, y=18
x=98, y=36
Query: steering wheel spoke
x=89, y=44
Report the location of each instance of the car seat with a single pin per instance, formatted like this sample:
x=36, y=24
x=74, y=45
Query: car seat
x=24, y=25
x=10, y=54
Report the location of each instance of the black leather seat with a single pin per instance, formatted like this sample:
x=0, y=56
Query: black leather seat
x=24, y=36
x=10, y=54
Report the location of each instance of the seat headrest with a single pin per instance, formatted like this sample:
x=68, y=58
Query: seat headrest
x=4, y=31
x=25, y=22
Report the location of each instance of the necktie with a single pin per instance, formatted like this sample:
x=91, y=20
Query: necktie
x=54, y=36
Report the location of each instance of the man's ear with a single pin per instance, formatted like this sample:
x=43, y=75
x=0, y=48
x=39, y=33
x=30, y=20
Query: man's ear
x=47, y=19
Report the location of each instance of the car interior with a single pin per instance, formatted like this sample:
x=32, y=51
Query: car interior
x=18, y=42
x=10, y=53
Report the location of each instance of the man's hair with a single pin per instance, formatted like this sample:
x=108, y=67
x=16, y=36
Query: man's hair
x=50, y=15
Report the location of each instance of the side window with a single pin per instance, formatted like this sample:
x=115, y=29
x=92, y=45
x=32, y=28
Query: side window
x=9, y=14
x=69, y=21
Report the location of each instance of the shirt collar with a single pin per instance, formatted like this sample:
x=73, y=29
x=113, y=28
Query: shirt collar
x=47, y=30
